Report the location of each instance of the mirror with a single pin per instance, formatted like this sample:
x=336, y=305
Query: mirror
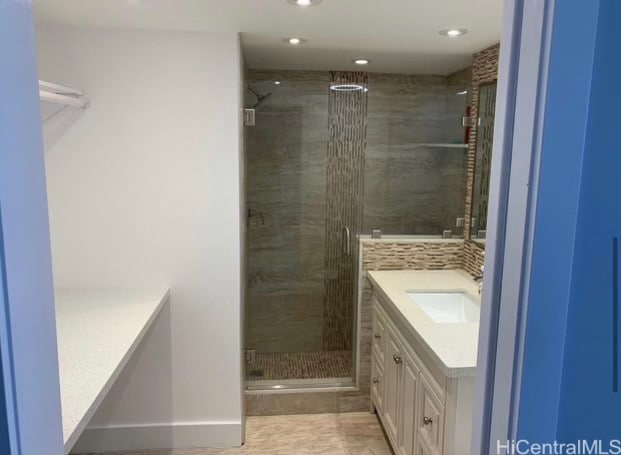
x=483, y=158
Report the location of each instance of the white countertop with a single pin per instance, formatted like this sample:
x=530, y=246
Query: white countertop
x=452, y=346
x=98, y=331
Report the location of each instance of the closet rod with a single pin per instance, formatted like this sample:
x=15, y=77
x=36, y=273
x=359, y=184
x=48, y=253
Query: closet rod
x=60, y=94
x=60, y=89
x=63, y=99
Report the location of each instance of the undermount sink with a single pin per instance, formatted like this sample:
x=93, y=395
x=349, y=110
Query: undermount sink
x=447, y=307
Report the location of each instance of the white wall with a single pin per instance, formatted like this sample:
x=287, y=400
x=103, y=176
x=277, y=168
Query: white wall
x=144, y=189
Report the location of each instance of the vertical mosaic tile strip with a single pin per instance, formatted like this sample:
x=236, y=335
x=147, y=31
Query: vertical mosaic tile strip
x=347, y=127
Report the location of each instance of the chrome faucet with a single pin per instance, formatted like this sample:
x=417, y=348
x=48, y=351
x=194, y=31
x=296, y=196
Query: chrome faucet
x=479, y=280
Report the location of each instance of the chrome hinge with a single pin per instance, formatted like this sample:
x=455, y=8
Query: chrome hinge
x=249, y=117
x=469, y=121
x=250, y=355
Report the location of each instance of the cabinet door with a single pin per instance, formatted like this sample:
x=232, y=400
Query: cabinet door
x=379, y=330
x=392, y=374
x=430, y=416
x=408, y=402
x=377, y=385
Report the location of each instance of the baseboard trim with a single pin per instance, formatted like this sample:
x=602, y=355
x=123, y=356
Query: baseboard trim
x=160, y=436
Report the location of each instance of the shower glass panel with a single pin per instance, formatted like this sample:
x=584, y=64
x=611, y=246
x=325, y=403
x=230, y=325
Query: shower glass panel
x=303, y=215
x=416, y=157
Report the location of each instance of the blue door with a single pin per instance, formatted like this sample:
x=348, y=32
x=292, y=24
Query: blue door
x=31, y=412
x=570, y=385
x=590, y=399
x=5, y=443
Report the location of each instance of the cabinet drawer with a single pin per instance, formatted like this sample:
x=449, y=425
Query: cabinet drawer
x=377, y=385
x=379, y=333
x=430, y=415
x=392, y=386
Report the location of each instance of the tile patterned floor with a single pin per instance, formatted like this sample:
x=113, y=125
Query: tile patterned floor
x=301, y=365
x=323, y=434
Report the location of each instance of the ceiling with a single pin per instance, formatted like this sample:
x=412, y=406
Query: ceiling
x=399, y=36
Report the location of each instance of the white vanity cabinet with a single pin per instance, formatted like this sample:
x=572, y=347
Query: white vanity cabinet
x=423, y=411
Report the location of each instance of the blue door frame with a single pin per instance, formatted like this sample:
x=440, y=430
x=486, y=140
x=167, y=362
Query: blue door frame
x=5, y=442
x=569, y=351
x=564, y=134
x=553, y=172
x=27, y=319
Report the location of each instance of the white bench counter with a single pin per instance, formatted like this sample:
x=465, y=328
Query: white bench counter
x=98, y=331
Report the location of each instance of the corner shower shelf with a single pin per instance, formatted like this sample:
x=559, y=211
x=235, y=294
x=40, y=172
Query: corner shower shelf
x=441, y=145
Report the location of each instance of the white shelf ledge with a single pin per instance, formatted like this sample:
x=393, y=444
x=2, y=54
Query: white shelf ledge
x=98, y=331
x=441, y=145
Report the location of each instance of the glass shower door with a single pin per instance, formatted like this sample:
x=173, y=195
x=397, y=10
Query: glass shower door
x=304, y=160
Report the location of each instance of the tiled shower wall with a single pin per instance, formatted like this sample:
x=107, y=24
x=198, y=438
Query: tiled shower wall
x=409, y=188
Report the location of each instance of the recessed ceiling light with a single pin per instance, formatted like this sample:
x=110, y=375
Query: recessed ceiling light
x=453, y=32
x=294, y=41
x=361, y=61
x=304, y=2
x=463, y=92
x=277, y=82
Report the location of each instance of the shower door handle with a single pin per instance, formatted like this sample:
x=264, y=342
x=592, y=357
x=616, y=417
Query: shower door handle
x=346, y=240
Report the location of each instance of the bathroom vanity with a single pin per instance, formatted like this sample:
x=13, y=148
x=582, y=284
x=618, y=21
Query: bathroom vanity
x=425, y=337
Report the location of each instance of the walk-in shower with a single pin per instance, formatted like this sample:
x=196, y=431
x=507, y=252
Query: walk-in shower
x=334, y=155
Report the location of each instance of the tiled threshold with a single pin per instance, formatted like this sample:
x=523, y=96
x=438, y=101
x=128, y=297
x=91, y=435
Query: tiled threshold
x=308, y=401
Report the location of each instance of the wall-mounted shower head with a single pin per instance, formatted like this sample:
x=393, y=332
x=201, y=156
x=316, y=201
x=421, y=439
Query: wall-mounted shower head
x=261, y=98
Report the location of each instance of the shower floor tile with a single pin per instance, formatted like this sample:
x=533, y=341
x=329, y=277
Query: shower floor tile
x=300, y=365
